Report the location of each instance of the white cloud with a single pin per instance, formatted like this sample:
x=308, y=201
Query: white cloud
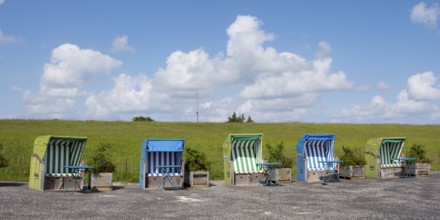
x=121, y=44
x=41, y=104
x=9, y=39
x=310, y=80
x=382, y=85
x=265, y=77
x=421, y=86
x=69, y=70
x=417, y=100
x=325, y=50
x=2, y=1
x=407, y=105
x=378, y=101
x=130, y=94
x=191, y=72
x=428, y=16
x=257, y=80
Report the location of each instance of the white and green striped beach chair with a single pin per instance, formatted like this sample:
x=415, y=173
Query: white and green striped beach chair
x=50, y=155
x=381, y=156
x=241, y=154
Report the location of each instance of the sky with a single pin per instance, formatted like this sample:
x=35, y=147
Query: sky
x=286, y=61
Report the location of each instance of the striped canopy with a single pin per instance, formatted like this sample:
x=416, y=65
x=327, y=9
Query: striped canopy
x=316, y=151
x=244, y=156
x=389, y=151
x=314, y=148
x=244, y=151
x=63, y=152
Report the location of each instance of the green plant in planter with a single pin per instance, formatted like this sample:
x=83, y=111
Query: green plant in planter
x=418, y=151
x=353, y=156
x=276, y=154
x=102, y=160
x=195, y=160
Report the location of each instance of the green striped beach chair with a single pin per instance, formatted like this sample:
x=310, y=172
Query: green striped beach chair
x=241, y=154
x=50, y=155
x=381, y=155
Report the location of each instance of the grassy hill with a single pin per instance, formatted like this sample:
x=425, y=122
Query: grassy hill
x=17, y=138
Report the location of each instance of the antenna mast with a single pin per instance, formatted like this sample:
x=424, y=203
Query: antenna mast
x=197, y=112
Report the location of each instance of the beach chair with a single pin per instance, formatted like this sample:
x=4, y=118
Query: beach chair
x=50, y=155
x=157, y=153
x=312, y=152
x=241, y=154
x=381, y=156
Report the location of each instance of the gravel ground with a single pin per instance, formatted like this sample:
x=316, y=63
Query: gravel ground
x=412, y=198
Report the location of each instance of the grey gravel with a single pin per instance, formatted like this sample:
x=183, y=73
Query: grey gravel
x=411, y=198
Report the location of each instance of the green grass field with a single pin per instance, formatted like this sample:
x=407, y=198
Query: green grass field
x=17, y=138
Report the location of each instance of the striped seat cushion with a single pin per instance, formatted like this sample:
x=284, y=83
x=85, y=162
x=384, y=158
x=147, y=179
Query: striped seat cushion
x=244, y=157
x=60, y=153
x=390, y=151
x=155, y=159
x=318, y=150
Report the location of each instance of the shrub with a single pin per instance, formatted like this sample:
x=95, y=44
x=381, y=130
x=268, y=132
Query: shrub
x=354, y=156
x=276, y=154
x=102, y=160
x=418, y=151
x=195, y=160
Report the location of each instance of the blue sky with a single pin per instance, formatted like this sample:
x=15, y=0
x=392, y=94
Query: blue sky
x=308, y=61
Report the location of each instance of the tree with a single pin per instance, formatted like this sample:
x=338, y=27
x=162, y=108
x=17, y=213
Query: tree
x=241, y=118
x=233, y=118
x=249, y=120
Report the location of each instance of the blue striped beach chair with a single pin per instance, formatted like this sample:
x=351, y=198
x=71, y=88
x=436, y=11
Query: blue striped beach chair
x=381, y=156
x=241, y=154
x=161, y=152
x=50, y=155
x=311, y=150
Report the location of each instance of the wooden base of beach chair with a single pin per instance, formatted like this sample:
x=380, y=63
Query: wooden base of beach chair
x=248, y=179
x=314, y=176
x=390, y=172
x=57, y=183
x=153, y=182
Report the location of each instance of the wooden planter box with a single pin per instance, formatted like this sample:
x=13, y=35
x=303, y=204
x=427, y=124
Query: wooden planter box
x=102, y=181
x=284, y=175
x=352, y=171
x=199, y=178
x=418, y=169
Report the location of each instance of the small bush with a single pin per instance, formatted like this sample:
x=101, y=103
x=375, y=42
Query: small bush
x=276, y=154
x=102, y=160
x=418, y=151
x=354, y=156
x=195, y=160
